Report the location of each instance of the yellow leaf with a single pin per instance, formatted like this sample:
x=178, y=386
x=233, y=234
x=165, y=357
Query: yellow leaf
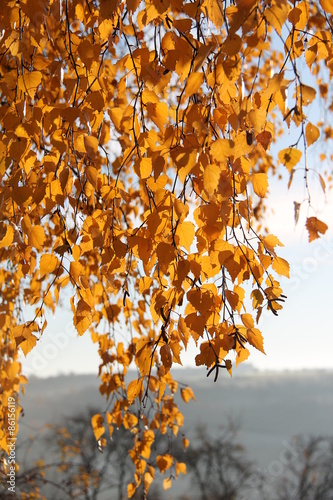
x=308, y=94
x=36, y=237
x=82, y=318
x=211, y=178
x=97, y=423
x=48, y=263
x=247, y=320
x=158, y=113
x=314, y=227
x=242, y=355
x=281, y=266
x=147, y=479
x=299, y=15
x=255, y=339
x=134, y=389
x=8, y=237
x=290, y=157
x=221, y=149
x=187, y=394
x=185, y=234
x=186, y=443
x=311, y=133
x=260, y=184
x=131, y=488
x=180, y=468
x=28, y=344
x=327, y=5
x=91, y=174
x=167, y=483
x=270, y=242
x=166, y=356
x=91, y=145
x=164, y=462
x=277, y=15
x=193, y=83
x=215, y=12
x=143, y=167
x=29, y=81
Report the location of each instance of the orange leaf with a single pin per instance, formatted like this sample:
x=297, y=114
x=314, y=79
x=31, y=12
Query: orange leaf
x=167, y=483
x=8, y=237
x=260, y=184
x=314, y=227
x=158, y=113
x=211, y=178
x=185, y=234
x=29, y=81
x=166, y=356
x=186, y=443
x=247, y=320
x=134, y=389
x=91, y=145
x=187, y=394
x=36, y=237
x=255, y=339
x=164, y=462
x=48, y=263
x=143, y=167
x=327, y=6
x=131, y=488
x=281, y=266
x=193, y=83
x=311, y=133
x=97, y=423
x=290, y=157
x=242, y=355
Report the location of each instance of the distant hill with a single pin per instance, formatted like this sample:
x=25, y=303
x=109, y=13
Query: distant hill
x=269, y=407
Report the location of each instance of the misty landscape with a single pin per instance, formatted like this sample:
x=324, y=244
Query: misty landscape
x=257, y=414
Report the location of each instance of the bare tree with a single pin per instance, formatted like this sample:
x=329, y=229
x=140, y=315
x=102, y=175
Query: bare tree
x=218, y=466
x=308, y=473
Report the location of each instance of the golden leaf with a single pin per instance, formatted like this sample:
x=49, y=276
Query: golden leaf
x=327, y=6
x=36, y=237
x=143, y=167
x=254, y=338
x=242, y=355
x=247, y=320
x=167, y=483
x=158, y=113
x=7, y=239
x=314, y=227
x=185, y=234
x=281, y=266
x=187, y=394
x=164, y=462
x=211, y=178
x=290, y=157
x=260, y=184
x=134, y=389
x=97, y=423
x=131, y=489
x=311, y=133
x=193, y=83
x=48, y=263
x=29, y=81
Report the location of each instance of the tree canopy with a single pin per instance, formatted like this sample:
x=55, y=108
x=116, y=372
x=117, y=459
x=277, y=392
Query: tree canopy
x=138, y=140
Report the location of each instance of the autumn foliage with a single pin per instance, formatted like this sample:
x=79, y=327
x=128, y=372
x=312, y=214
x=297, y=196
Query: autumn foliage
x=138, y=140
